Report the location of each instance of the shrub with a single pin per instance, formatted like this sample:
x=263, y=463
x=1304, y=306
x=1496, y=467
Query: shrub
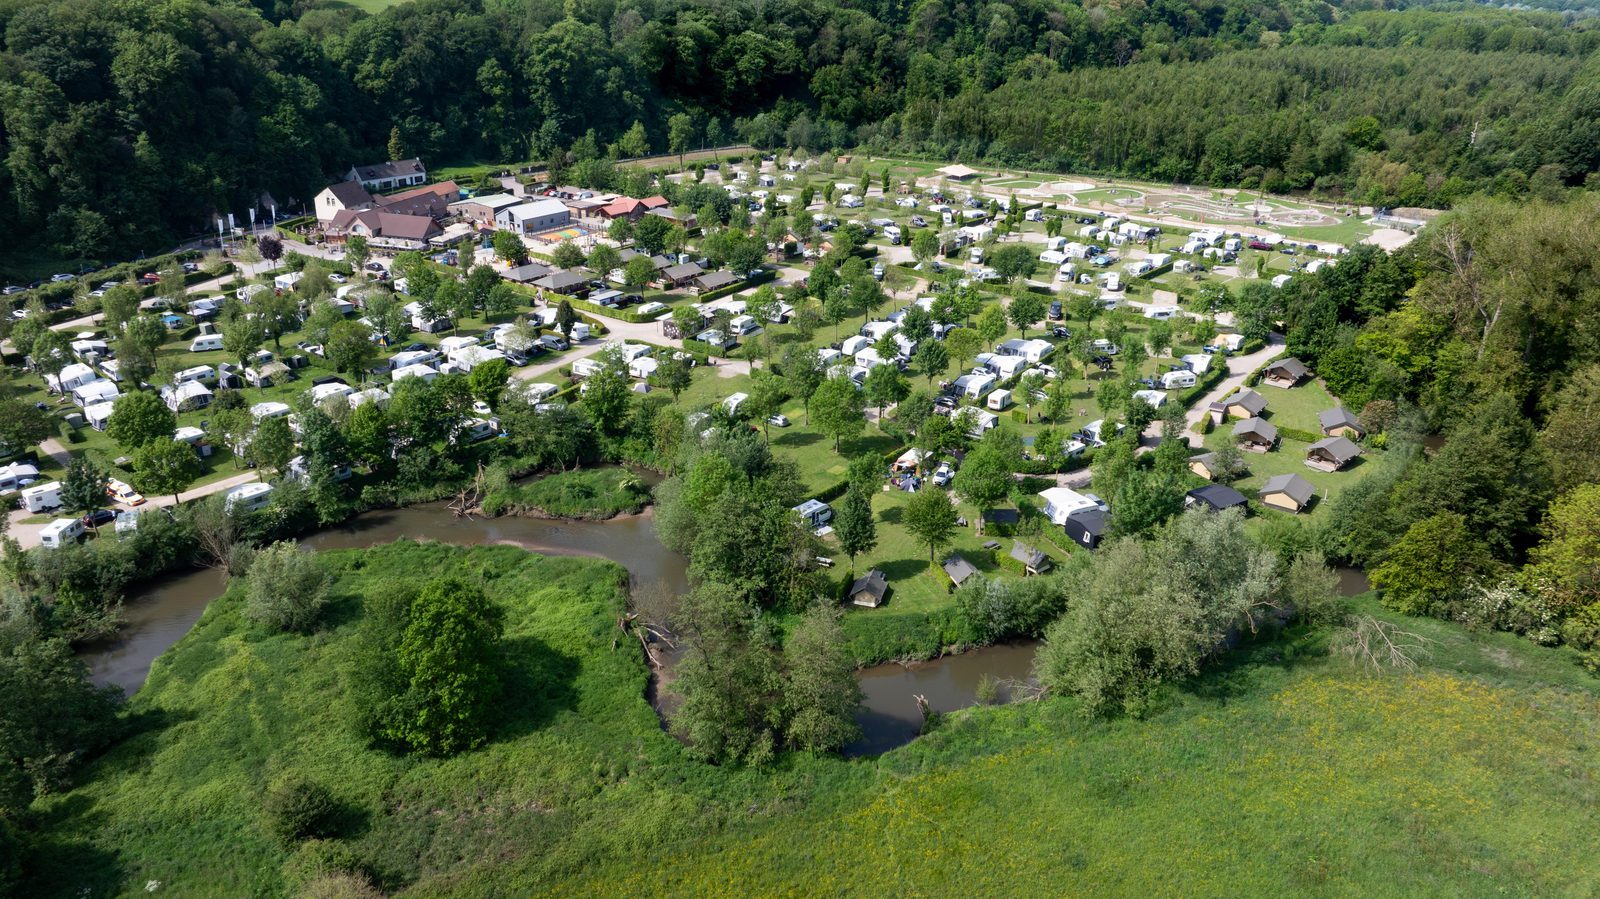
x=287, y=588
x=300, y=809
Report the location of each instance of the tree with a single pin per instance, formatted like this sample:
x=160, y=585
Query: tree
x=1565, y=565
x=240, y=339
x=638, y=272
x=138, y=418
x=1026, y=308
x=566, y=317
x=821, y=695
x=984, y=479
x=388, y=317
x=1570, y=433
x=273, y=444
x=356, y=252
x=21, y=423
x=676, y=374
x=481, y=280
x=510, y=248
x=854, y=526
x=728, y=678
x=963, y=344
x=53, y=719
x=839, y=409
x=1228, y=464
x=932, y=359
x=271, y=247
x=1014, y=261
x=427, y=668
x=634, y=143
x=766, y=399
x=603, y=259
x=802, y=371
x=885, y=386
x=991, y=325
x=650, y=234
x=287, y=588
x=502, y=301
x=924, y=246
x=350, y=348
x=680, y=134
x=1159, y=338
x=51, y=351
x=930, y=517
x=567, y=255
x=1428, y=567
x=488, y=380
x=119, y=306
x=84, y=488
x=608, y=395
x=1147, y=612
x=165, y=466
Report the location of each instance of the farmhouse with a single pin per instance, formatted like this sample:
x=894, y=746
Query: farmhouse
x=1331, y=453
x=1340, y=422
x=1289, y=492
x=870, y=590
x=387, y=176
x=336, y=198
x=1255, y=435
x=1215, y=497
x=1284, y=373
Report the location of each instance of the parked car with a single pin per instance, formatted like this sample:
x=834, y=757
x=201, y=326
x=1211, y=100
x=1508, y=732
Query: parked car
x=58, y=278
x=918, y=221
x=13, y=288
x=123, y=493
x=1060, y=332
x=943, y=475
x=98, y=517
x=778, y=421
x=337, y=278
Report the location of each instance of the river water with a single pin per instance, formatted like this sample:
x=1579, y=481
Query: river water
x=889, y=714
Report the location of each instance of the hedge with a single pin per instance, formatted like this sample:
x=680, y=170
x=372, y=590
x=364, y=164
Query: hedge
x=1156, y=272
x=1214, y=375
x=618, y=314
x=837, y=489
x=1297, y=434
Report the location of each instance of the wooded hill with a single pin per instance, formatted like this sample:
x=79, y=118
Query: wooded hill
x=128, y=124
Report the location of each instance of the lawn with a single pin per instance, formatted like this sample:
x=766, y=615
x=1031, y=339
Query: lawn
x=1298, y=406
x=1289, y=458
x=1279, y=772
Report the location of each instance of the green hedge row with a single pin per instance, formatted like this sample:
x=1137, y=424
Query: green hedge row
x=765, y=276
x=837, y=489
x=1297, y=434
x=1213, y=376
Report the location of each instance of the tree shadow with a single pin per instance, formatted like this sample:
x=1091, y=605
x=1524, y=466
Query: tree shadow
x=900, y=569
x=797, y=439
x=537, y=683
x=892, y=515
x=55, y=864
x=342, y=609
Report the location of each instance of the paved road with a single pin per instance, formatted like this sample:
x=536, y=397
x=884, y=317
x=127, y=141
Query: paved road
x=1239, y=368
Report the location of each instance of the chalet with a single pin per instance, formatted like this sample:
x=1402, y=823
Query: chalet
x=569, y=284
x=1087, y=527
x=1255, y=435
x=1243, y=404
x=337, y=198
x=959, y=570
x=528, y=273
x=1340, y=422
x=1033, y=561
x=870, y=590
x=1289, y=492
x=1205, y=465
x=387, y=176
x=1284, y=372
x=1215, y=498
x=714, y=281
x=677, y=276
x=1331, y=453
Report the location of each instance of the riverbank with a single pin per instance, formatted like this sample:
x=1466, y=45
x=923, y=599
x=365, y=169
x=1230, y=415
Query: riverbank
x=582, y=494
x=1257, y=778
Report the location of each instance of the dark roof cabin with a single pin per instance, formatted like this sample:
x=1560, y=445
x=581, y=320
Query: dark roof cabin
x=870, y=589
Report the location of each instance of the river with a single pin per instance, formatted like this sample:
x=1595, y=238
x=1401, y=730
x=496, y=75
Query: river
x=889, y=715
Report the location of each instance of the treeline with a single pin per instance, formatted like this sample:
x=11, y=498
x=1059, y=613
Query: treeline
x=128, y=124
x=1483, y=332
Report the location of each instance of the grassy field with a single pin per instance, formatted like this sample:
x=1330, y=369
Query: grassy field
x=1280, y=772
x=584, y=493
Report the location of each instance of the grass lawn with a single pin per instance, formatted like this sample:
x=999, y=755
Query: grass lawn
x=1289, y=458
x=1280, y=771
x=1297, y=407
x=1108, y=195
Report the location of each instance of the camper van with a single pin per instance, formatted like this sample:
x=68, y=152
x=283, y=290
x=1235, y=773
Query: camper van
x=733, y=402
x=206, y=344
x=247, y=498
x=1113, y=281
x=999, y=401
x=40, y=497
x=975, y=256
x=744, y=326
x=893, y=233
x=60, y=532
x=815, y=513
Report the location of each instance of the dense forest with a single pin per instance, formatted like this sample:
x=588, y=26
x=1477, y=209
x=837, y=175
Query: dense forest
x=128, y=124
